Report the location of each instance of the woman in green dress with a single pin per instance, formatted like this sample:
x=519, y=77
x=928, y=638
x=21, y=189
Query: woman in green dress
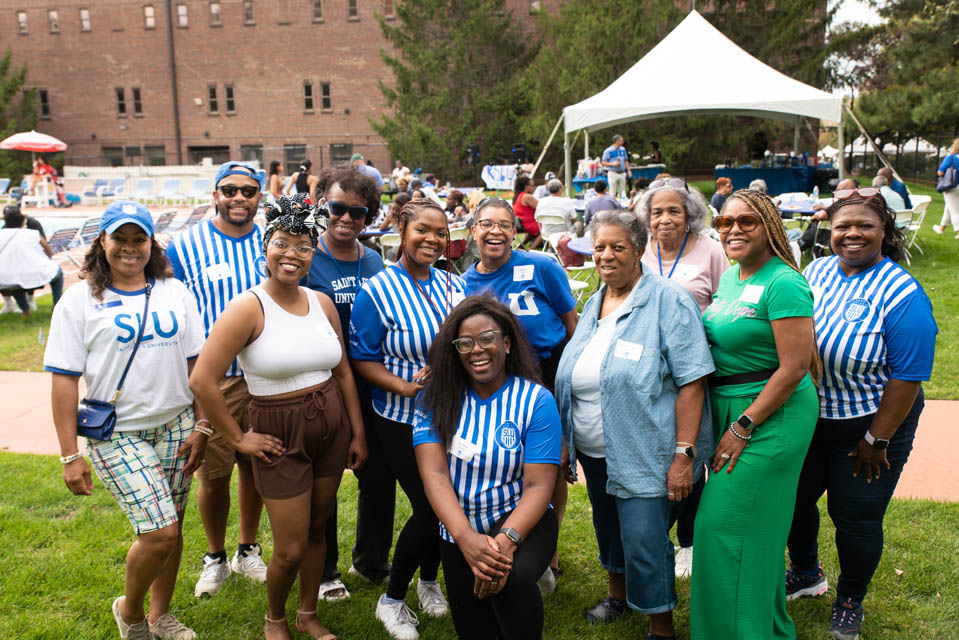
x=765, y=407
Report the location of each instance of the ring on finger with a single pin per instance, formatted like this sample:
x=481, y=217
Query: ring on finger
x=724, y=455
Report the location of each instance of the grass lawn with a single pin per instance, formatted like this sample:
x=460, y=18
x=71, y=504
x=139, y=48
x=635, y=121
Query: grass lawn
x=63, y=557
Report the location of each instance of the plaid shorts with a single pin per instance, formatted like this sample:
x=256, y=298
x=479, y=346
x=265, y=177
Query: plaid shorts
x=142, y=471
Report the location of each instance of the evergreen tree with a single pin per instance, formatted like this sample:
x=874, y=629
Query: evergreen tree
x=18, y=112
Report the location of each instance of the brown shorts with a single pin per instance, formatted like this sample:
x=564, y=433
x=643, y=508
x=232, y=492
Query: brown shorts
x=220, y=455
x=315, y=430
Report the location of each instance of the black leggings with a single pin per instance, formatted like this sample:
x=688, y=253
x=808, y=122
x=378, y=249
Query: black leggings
x=419, y=541
x=516, y=612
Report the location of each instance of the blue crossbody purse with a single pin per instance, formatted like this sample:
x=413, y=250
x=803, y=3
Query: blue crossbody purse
x=96, y=419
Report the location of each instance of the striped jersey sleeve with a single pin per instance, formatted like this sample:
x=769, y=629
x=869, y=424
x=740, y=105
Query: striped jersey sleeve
x=216, y=268
x=870, y=327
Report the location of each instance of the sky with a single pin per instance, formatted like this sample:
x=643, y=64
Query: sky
x=855, y=11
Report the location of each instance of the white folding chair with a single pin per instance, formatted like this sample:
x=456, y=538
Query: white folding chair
x=388, y=241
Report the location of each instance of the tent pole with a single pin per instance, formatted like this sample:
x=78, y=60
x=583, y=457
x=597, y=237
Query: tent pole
x=546, y=146
x=585, y=144
x=568, y=161
x=842, y=152
x=879, y=154
x=796, y=137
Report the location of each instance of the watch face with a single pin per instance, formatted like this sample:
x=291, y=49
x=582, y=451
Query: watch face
x=690, y=452
x=745, y=421
x=880, y=444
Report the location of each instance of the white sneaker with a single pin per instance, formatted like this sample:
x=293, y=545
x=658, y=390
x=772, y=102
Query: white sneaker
x=9, y=306
x=547, y=581
x=938, y=229
x=684, y=562
x=399, y=620
x=250, y=564
x=214, y=574
x=169, y=628
x=432, y=601
x=31, y=302
x=138, y=631
x=353, y=571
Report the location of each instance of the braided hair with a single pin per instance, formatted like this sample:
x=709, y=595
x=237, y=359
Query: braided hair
x=407, y=214
x=768, y=212
x=893, y=239
x=292, y=214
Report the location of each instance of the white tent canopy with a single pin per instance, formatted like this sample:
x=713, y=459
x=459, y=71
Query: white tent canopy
x=692, y=70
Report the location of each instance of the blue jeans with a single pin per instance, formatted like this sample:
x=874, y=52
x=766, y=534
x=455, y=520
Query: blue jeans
x=855, y=507
x=633, y=538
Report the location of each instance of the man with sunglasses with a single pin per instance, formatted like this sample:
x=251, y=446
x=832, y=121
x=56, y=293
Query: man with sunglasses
x=812, y=235
x=218, y=259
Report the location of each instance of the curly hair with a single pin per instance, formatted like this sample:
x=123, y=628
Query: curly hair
x=893, y=239
x=96, y=269
x=448, y=381
x=351, y=181
x=292, y=214
x=693, y=204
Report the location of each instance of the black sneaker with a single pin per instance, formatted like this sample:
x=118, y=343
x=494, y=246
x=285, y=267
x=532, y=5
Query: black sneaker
x=846, y=619
x=799, y=584
x=606, y=611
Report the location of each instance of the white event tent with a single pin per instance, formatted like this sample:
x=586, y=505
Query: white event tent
x=696, y=69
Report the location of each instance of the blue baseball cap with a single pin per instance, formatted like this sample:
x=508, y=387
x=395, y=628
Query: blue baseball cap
x=236, y=169
x=123, y=212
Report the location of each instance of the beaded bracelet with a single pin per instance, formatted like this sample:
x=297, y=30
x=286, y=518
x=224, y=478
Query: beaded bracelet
x=68, y=459
x=200, y=426
x=735, y=432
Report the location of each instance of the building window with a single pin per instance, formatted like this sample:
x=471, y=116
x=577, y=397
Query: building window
x=293, y=155
x=149, y=17
x=121, y=102
x=22, y=23
x=137, y=103
x=212, y=103
x=182, y=21
x=248, y=17
x=307, y=95
x=251, y=153
x=230, y=102
x=340, y=152
x=112, y=156
x=132, y=152
x=216, y=19
x=325, y=102
x=352, y=11
x=44, y=103
x=53, y=20
x=317, y=10
x=156, y=156
x=389, y=10
x=84, y=19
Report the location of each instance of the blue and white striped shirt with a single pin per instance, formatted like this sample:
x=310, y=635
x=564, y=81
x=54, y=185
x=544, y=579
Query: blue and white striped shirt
x=495, y=438
x=394, y=323
x=217, y=268
x=870, y=327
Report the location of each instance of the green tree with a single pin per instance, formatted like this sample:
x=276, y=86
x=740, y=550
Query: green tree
x=18, y=112
x=455, y=66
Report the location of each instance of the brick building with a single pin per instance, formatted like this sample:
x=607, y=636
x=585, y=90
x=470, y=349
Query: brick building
x=130, y=82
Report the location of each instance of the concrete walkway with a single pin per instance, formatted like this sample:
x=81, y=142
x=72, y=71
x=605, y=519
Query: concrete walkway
x=26, y=426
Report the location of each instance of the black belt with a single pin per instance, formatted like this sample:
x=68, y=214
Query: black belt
x=741, y=378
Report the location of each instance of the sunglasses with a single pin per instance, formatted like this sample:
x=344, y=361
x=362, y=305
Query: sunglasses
x=486, y=340
x=248, y=191
x=339, y=209
x=675, y=183
x=863, y=192
x=746, y=221
x=505, y=225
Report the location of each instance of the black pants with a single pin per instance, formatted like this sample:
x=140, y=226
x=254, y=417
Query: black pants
x=547, y=367
x=684, y=524
x=855, y=507
x=376, y=502
x=516, y=612
x=419, y=541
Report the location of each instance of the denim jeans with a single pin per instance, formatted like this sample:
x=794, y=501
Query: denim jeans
x=855, y=507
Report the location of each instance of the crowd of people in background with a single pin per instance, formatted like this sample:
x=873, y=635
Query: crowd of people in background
x=706, y=383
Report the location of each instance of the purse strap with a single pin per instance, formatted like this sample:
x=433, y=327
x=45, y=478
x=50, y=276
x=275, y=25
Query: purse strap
x=143, y=324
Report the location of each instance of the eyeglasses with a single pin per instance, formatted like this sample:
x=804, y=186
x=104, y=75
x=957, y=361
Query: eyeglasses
x=863, y=192
x=339, y=209
x=248, y=191
x=505, y=225
x=746, y=221
x=302, y=250
x=675, y=183
x=486, y=340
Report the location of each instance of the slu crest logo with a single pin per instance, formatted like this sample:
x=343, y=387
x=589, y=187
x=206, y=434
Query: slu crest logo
x=507, y=435
x=855, y=310
x=260, y=266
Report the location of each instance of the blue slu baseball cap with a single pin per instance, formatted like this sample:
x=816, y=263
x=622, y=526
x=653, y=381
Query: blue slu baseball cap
x=235, y=169
x=123, y=212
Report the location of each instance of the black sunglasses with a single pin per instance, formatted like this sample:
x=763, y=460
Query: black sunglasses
x=248, y=191
x=339, y=209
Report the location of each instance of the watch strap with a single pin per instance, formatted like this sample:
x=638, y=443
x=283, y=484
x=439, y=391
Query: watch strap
x=512, y=534
x=687, y=450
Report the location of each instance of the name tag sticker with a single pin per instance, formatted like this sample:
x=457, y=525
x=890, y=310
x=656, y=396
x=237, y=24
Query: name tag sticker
x=462, y=449
x=217, y=272
x=686, y=271
x=628, y=350
x=523, y=272
x=752, y=293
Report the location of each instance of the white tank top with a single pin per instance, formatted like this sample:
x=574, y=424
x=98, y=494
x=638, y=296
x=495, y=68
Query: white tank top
x=293, y=352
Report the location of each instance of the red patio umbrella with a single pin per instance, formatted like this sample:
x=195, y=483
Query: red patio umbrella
x=33, y=141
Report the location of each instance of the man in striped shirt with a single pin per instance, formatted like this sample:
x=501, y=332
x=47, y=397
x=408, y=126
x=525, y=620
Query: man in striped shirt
x=218, y=259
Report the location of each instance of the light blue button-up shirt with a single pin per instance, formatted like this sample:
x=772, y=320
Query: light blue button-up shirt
x=658, y=346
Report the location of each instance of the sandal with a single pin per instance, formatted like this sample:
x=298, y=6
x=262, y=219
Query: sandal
x=606, y=611
x=334, y=591
x=325, y=636
x=268, y=621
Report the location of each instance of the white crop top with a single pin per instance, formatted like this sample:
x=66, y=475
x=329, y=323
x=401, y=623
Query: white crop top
x=293, y=352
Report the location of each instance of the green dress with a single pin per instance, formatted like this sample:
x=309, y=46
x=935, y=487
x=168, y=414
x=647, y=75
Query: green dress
x=738, y=588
